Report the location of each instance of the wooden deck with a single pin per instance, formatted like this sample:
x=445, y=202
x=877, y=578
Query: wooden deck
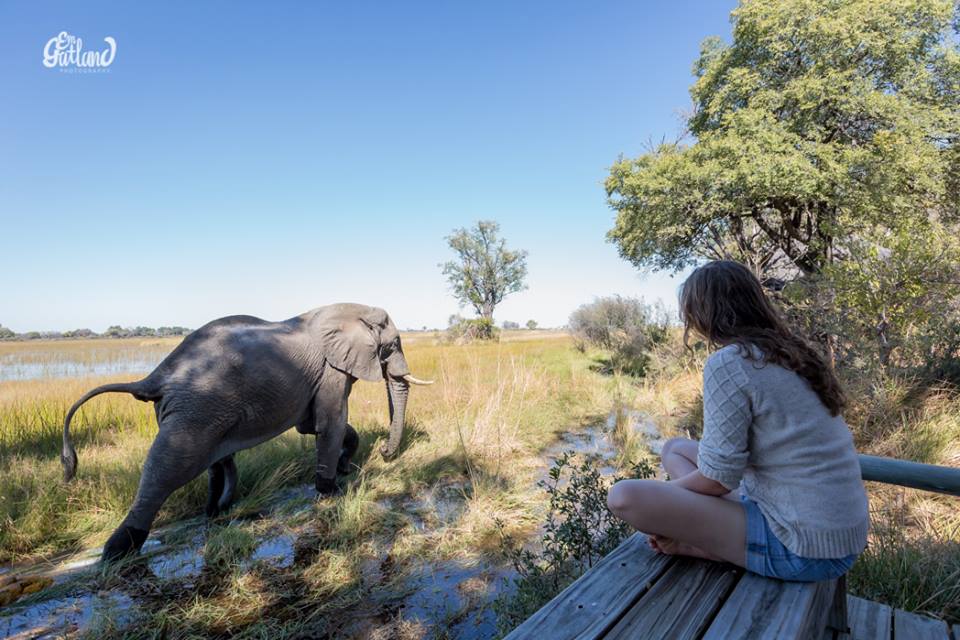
x=636, y=593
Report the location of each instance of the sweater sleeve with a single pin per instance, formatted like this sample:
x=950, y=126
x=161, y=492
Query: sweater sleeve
x=727, y=416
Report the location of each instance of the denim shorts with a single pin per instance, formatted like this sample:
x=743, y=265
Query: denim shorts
x=767, y=556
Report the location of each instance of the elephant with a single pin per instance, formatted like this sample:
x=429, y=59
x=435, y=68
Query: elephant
x=239, y=381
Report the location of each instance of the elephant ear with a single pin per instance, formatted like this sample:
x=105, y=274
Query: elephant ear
x=351, y=343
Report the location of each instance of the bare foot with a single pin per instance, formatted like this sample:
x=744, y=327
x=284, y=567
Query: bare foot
x=672, y=547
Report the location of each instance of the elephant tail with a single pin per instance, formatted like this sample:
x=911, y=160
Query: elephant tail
x=68, y=457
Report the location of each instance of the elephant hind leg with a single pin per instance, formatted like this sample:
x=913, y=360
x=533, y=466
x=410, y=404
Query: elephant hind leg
x=215, y=489
x=350, y=443
x=176, y=457
x=229, y=482
x=222, y=482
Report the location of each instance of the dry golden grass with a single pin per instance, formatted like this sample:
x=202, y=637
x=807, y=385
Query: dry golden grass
x=480, y=427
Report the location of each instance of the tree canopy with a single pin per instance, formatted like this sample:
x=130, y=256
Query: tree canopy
x=823, y=150
x=823, y=119
x=485, y=271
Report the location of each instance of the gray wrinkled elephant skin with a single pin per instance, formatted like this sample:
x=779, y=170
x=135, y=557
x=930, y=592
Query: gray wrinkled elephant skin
x=239, y=381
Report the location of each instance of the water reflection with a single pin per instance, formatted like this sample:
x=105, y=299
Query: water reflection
x=80, y=361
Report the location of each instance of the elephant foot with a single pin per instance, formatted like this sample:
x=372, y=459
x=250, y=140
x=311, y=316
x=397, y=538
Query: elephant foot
x=125, y=541
x=327, y=487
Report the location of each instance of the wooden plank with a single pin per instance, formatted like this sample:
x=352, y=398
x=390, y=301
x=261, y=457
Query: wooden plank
x=763, y=608
x=910, y=626
x=868, y=620
x=680, y=604
x=928, y=477
x=591, y=605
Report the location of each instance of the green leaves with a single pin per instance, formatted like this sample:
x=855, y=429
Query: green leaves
x=485, y=270
x=824, y=119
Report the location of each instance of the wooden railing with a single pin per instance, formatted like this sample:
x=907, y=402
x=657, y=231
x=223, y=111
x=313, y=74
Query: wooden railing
x=928, y=477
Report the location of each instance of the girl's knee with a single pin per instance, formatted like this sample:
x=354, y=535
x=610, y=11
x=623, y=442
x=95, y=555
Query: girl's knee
x=672, y=444
x=617, y=500
x=629, y=496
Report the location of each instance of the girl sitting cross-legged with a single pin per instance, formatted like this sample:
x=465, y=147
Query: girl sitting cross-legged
x=774, y=485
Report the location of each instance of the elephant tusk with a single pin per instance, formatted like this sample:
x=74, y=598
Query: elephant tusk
x=409, y=378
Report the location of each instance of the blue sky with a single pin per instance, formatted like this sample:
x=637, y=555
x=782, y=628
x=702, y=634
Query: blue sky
x=267, y=158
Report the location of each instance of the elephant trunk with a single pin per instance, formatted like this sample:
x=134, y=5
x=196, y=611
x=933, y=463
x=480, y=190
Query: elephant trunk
x=397, y=391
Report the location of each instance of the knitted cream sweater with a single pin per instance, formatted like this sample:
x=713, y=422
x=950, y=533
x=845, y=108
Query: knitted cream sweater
x=764, y=425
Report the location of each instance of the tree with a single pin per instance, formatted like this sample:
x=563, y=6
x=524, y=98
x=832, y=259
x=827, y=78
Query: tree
x=485, y=271
x=822, y=120
x=5, y=333
x=825, y=149
x=531, y=324
x=510, y=325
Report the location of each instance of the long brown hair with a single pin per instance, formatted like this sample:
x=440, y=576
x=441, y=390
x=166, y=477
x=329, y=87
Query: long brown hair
x=724, y=302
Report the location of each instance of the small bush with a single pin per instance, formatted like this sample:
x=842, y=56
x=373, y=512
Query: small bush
x=627, y=327
x=579, y=531
x=462, y=330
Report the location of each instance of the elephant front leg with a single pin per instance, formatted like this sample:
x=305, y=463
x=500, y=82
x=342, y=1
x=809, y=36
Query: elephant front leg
x=329, y=444
x=330, y=408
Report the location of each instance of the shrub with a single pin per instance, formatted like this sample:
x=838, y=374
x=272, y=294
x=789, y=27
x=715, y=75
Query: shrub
x=462, y=330
x=578, y=532
x=531, y=324
x=627, y=327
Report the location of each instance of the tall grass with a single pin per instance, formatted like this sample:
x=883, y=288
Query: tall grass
x=469, y=459
x=480, y=427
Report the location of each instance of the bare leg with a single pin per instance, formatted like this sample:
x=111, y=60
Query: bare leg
x=692, y=523
x=679, y=456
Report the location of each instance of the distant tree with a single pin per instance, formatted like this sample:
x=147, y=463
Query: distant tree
x=32, y=335
x=79, y=333
x=485, y=271
x=510, y=325
x=116, y=331
x=5, y=333
x=531, y=324
x=172, y=331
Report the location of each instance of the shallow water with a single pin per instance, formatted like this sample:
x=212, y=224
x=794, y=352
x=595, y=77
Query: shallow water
x=58, y=616
x=81, y=358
